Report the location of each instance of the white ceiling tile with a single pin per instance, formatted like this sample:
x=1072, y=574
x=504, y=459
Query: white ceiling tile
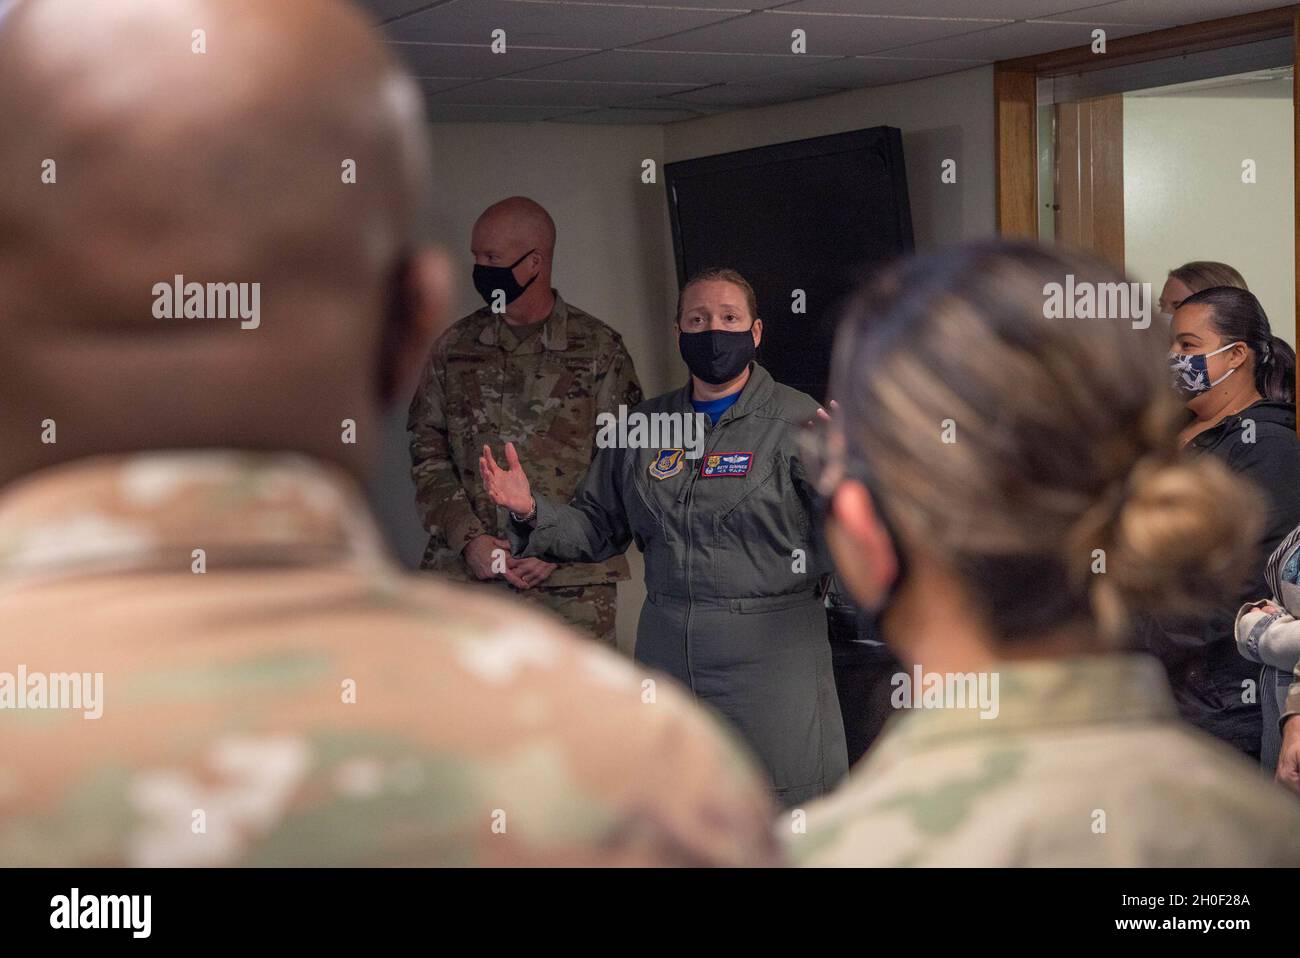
x=988, y=9
x=667, y=103
x=1015, y=40
x=510, y=91
x=1155, y=13
x=735, y=95
x=769, y=32
x=529, y=23
x=483, y=113
x=854, y=72
x=473, y=60
x=735, y=6
x=688, y=57
x=388, y=9
x=432, y=85
x=696, y=69
x=630, y=115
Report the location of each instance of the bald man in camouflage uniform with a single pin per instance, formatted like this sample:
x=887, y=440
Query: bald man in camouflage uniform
x=531, y=369
x=205, y=656
x=301, y=701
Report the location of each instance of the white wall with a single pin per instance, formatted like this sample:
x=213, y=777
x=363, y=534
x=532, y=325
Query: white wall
x=1184, y=198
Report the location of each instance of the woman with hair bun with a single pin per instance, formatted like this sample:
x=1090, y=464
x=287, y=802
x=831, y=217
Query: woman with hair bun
x=1237, y=381
x=1007, y=494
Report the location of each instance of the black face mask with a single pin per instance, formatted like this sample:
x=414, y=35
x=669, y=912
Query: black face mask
x=489, y=279
x=716, y=355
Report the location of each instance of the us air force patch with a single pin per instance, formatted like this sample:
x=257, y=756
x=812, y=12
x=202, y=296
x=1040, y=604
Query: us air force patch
x=727, y=464
x=667, y=464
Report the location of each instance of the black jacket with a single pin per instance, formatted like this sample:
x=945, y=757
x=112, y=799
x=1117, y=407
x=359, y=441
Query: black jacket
x=1200, y=654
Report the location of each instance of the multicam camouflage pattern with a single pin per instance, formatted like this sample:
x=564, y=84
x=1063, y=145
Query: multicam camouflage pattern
x=485, y=384
x=1086, y=763
x=590, y=609
x=477, y=734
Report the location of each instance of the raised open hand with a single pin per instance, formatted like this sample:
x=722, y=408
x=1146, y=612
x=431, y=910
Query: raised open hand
x=508, y=487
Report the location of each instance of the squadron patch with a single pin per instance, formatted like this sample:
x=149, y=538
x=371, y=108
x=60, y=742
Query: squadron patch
x=727, y=464
x=667, y=464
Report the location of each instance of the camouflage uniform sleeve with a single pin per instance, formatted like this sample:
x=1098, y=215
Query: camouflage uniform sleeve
x=440, y=496
x=594, y=526
x=618, y=383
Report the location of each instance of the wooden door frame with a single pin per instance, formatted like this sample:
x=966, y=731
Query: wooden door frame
x=1015, y=92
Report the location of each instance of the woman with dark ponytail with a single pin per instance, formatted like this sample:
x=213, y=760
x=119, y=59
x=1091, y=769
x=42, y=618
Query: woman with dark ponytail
x=1238, y=383
x=1277, y=372
x=1237, y=317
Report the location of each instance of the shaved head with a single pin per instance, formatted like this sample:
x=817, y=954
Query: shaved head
x=522, y=222
x=225, y=142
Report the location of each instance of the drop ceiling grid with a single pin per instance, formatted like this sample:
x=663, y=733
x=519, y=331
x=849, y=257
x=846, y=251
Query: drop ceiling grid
x=664, y=60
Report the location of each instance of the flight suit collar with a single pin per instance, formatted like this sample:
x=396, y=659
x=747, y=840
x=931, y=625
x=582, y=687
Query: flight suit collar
x=1042, y=695
x=757, y=391
x=151, y=511
x=554, y=335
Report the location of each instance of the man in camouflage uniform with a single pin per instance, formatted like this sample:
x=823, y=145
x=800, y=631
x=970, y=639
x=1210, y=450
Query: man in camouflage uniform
x=1061, y=774
x=303, y=702
x=181, y=524
x=527, y=368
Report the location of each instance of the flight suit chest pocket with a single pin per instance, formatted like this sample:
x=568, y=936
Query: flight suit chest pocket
x=655, y=522
x=765, y=519
x=727, y=496
x=652, y=499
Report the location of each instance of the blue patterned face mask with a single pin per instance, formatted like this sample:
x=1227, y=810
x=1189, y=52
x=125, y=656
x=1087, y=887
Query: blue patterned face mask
x=1192, y=373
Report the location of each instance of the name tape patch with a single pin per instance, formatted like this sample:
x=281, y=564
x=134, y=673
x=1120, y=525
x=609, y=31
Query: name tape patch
x=726, y=464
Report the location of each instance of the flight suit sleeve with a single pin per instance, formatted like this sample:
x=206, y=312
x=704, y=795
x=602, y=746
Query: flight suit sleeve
x=593, y=527
x=440, y=496
x=819, y=554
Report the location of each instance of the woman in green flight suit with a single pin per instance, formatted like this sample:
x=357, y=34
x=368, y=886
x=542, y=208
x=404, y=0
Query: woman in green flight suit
x=734, y=571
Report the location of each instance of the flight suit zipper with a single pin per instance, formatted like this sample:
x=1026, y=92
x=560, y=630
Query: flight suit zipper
x=714, y=432
x=690, y=595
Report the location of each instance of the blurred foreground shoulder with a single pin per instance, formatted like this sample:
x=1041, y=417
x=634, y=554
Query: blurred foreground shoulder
x=588, y=758
x=1159, y=796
